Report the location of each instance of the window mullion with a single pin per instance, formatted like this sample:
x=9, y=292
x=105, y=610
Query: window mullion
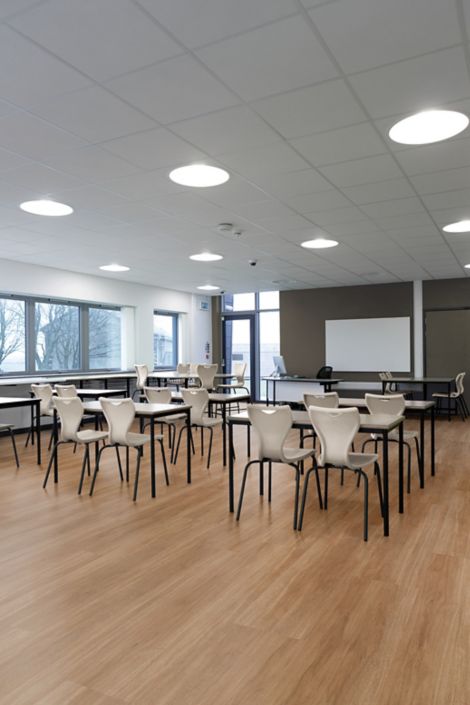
x=85, y=337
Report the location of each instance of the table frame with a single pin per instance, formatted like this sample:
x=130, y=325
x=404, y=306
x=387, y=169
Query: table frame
x=34, y=404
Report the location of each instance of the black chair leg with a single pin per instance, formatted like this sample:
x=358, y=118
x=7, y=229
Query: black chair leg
x=325, y=496
x=165, y=468
x=210, y=447
x=270, y=479
x=366, y=505
x=13, y=442
x=84, y=466
x=342, y=476
x=97, y=467
x=119, y=464
x=297, y=492
x=176, y=450
x=242, y=489
x=379, y=487
x=49, y=466
x=202, y=441
x=137, y=472
x=127, y=463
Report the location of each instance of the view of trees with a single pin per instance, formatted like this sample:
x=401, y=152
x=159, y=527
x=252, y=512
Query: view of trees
x=57, y=337
x=12, y=335
x=104, y=338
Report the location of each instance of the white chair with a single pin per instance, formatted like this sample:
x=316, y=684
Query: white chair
x=44, y=393
x=393, y=405
x=66, y=391
x=8, y=427
x=336, y=429
x=272, y=426
x=238, y=370
x=206, y=375
x=328, y=400
x=162, y=395
x=183, y=368
x=70, y=412
x=142, y=372
x=120, y=414
x=198, y=400
x=457, y=396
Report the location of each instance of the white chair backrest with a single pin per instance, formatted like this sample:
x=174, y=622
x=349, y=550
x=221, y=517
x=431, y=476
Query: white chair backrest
x=336, y=429
x=67, y=391
x=271, y=425
x=391, y=404
x=459, y=383
x=329, y=400
x=206, y=374
x=44, y=393
x=70, y=411
x=182, y=368
x=142, y=374
x=198, y=400
x=239, y=369
x=158, y=395
x=119, y=414
x=193, y=368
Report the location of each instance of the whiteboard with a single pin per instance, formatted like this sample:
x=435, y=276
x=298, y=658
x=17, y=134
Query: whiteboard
x=368, y=344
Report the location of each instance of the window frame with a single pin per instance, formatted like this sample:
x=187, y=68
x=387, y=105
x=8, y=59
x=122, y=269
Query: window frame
x=30, y=334
x=175, y=336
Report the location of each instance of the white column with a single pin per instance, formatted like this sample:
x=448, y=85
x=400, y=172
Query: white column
x=418, y=329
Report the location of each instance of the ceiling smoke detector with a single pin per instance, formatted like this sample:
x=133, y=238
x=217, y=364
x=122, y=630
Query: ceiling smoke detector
x=229, y=229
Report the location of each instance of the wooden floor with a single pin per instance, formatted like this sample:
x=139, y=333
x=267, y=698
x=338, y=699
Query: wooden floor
x=171, y=602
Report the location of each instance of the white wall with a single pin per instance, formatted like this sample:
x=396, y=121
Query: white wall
x=196, y=329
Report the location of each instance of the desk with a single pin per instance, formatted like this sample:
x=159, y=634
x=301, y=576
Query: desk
x=370, y=423
x=222, y=400
x=325, y=383
x=34, y=404
x=149, y=411
x=417, y=407
x=64, y=378
x=423, y=381
x=97, y=393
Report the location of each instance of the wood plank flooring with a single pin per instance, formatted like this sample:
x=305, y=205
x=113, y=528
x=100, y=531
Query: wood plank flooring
x=171, y=602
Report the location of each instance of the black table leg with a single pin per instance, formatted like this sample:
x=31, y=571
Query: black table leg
x=433, y=442
x=400, y=470
x=55, y=439
x=274, y=392
x=38, y=431
x=267, y=392
x=224, y=434
x=383, y=387
x=231, y=501
x=188, y=446
x=385, y=485
x=449, y=389
x=152, y=455
x=422, y=451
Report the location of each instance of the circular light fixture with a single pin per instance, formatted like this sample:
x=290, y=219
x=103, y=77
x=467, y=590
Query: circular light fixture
x=320, y=243
x=199, y=175
x=428, y=126
x=46, y=207
x=467, y=266
x=461, y=226
x=206, y=257
x=114, y=268
x=208, y=287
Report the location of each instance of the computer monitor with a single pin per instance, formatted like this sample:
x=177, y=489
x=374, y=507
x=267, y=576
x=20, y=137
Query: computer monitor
x=279, y=365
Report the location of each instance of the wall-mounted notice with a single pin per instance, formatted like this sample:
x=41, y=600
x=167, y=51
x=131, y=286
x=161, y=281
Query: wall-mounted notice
x=368, y=344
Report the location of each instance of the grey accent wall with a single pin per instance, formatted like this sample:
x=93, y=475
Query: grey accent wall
x=303, y=314
x=446, y=293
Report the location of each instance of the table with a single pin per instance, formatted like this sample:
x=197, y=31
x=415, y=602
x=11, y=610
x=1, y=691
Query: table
x=380, y=424
x=166, y=376
x=34, y=404
x=418, y=407
x=151, y=412
x=223, y=400
x=64, y=378
x=96, y=393
x=325, y=383
x=423, y=381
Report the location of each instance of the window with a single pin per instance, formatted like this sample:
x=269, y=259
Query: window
x=12, y=336
x=268, y=300
x=165, y=339
x=57, y=332
x=239, y=302
x=39, y=335
x=104, y=338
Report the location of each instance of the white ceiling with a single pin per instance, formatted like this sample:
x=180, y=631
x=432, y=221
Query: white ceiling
x=100, y=99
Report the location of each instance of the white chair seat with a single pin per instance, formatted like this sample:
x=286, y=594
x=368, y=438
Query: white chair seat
x=361, y=460
x=6, y=426
x=295, y=455
x=139, y=439
x=207, y=421
x=395, y=436
x=91, y=436
x=171, y=419
x=443, y=395
x=236, y=385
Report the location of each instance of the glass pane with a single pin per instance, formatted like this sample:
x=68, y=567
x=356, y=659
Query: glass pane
x=268, y=299
x=104, y=338
x=57, y=337
x=269, y=344
x=12, y=336
x=243, y=302
x=237, y=346
x=164, y=343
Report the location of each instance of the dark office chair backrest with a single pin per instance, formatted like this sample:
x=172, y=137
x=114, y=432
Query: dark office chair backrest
x=324, y=372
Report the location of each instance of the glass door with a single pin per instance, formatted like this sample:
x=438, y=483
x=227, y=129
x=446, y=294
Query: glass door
x=238, y=345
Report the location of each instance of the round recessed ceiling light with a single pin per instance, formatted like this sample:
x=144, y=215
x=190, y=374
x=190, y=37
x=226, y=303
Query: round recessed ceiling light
x=461, y=226
x=467, y=266
x=114, y=268
x=46, y=207
x=199, y=175
x=206, y=257
x=428, y=126
x=320, y=243
x=208, y=287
